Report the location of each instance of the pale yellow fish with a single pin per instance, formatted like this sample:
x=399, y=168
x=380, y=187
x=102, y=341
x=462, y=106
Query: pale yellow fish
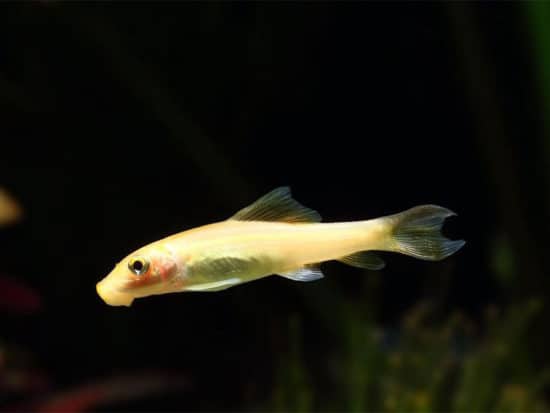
x=274, y=235
x=10, y=210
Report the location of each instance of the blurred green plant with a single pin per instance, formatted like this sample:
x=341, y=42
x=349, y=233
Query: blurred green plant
x=430, y=367
x=294, y=375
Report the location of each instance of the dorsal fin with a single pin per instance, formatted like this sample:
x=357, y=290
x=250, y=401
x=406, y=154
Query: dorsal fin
x=277, y=205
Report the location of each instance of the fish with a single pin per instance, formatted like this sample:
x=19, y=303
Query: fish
x=275, y=235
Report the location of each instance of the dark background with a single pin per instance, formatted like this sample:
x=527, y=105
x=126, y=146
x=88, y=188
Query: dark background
x=122, y=123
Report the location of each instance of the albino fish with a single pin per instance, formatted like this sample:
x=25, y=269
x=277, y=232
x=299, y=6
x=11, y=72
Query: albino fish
x=274, y=235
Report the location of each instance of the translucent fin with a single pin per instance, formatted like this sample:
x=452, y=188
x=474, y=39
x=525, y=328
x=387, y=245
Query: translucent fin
x=417, y=232
x=277, y=205
x=221, y=267
x=214, y=286
x=304, y=274
x=364, y=259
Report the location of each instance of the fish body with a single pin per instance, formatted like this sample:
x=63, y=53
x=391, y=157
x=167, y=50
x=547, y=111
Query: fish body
x=274, y=235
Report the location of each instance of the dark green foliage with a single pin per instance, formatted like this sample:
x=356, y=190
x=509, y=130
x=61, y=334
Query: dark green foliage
x=429, y=369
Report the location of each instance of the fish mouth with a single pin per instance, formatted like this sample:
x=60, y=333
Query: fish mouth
x=112, y=296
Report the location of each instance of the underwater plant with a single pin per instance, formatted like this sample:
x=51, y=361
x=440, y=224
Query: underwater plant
x=420, y=366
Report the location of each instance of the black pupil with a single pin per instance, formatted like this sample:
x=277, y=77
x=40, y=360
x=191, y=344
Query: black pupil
x=137, y=266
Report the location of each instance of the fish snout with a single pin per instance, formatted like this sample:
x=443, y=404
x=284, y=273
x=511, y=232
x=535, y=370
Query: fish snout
x=112, y=296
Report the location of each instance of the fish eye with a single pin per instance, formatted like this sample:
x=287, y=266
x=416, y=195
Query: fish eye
x=138, y=265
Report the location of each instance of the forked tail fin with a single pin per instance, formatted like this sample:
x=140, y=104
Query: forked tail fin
x=417, y=232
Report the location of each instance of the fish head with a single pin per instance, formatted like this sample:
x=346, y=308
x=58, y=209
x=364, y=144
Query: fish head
x=148, y=271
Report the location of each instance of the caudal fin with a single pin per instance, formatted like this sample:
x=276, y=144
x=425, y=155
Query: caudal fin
x=417, y=232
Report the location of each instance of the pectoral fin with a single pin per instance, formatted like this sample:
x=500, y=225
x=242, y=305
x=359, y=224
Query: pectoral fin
x=214, y=286
x=222, y=267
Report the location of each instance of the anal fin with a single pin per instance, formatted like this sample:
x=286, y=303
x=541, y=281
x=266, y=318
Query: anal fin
x=364, y=259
